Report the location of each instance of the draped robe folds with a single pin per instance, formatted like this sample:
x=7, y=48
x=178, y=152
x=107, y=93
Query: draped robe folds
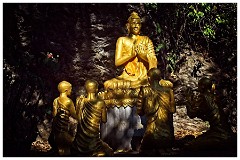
x=87, y=140
x=61, y=125
x=61, y=120
x=137, y=68
x=158, y=108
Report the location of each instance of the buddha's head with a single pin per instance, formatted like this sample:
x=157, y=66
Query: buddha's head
x=134, y=24
x=65, y=87
x=91, y=86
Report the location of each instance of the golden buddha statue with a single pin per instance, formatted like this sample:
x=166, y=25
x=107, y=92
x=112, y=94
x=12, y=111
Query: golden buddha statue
x=63, y=108
x=91, y=111
x=136, y=54
x=158, y=104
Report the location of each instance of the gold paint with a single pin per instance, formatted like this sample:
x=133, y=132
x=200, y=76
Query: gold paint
x=92, y=112
x=158, y=104
x=63, y=108
x=135, y=53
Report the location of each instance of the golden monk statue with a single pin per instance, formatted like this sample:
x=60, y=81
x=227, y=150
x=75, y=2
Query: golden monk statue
x=158, y=104
x=91, y=111
x=205, y=107
x=136, y=54
x=63, y=108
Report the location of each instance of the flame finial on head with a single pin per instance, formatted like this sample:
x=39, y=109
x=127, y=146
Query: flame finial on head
x=134, y=15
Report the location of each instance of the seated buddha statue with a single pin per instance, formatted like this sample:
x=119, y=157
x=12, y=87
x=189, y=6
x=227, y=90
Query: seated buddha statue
x=136, y=54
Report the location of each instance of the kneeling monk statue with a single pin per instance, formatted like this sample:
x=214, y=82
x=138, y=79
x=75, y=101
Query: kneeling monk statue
x=158, y=104
x=206, y=107
x=91, y=111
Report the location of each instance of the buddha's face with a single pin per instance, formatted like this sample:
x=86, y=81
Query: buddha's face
x=135, y=26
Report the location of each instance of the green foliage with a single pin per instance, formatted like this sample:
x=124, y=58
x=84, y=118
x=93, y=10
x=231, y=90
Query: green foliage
x=207, y=17
x=208, y=31
x=160, y=46
x=171, y=59
x=151, y=6
x=205, y=27
x=158, y=29
x=220, y=20
x=195, y=14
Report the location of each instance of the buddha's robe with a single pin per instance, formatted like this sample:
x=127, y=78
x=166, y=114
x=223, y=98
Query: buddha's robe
x=135, y=70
